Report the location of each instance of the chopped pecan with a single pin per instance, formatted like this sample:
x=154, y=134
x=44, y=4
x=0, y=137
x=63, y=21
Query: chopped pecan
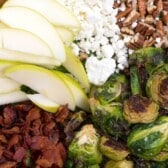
x=165, y=6
x=126, y=30
x=133, y=16
x=149, y=19
x=124, y=13
x=142, y=6
x=159, y=27
x=149, y=42
x=165, y=17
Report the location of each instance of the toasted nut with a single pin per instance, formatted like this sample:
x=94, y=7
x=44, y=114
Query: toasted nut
x=149, y=19
x=165, y=6
x=151, y=9
x=159, y=27
x=142, y=6
x=124, y=13
x=165, y=17
x=126, y=30
x=132, y=17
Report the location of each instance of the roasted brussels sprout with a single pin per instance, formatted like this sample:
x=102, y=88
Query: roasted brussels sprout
x=147, y=140
x=115, y=88
x=113, y=149
x=74, y=123
x=83, y=149
x=150, y=57
x=119, y=164
x=158, y=164
x=138, y=109
x=157, y=87
x=109, y=117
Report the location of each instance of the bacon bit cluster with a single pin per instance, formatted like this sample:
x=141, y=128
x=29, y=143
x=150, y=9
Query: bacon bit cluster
x=30, y=137
x=145, y=22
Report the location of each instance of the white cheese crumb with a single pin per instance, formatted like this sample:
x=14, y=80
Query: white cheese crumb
x=99, y=70
x=100, y=38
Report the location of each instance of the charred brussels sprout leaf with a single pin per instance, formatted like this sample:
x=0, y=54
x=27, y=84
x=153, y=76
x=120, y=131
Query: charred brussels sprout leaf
x=138, y=109
x=114, y=89
x=109, y=117
x=147, y=140
x=150, y=57
x=157, y=86
x=119, y=164
x=113, y=149
x=84, y=147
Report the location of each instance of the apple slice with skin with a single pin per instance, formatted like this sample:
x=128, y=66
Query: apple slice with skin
x=55, y=12
x=81, y=98
x=43, y=102
x=23, y=41
x=74, y=66
x=43, y=81
x=16, y=56
x=65, y=34
x=29, y=20
x=12, y=97
x=6, y=64
x=8, y=85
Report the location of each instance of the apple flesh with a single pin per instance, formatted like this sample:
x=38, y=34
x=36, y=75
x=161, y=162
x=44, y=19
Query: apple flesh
x=65, y=34
x=43, y=102
x=29, y=20
x=12, y=97
x=8, y=85
x=81, y=99
x=16, y=56
x=74, y=66
x=56, y=13
x=23, y=41
x=43, y=81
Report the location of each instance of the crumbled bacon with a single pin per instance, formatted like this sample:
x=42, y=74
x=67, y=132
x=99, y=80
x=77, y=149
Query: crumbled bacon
x=30, y=135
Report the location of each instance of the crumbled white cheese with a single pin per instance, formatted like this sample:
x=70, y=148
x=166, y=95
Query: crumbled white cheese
x=99, y=38
x=99, y=70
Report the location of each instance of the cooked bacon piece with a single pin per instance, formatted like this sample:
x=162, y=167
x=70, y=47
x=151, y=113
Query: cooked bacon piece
x=19, y=154
x=29, y=133
x=8, y=164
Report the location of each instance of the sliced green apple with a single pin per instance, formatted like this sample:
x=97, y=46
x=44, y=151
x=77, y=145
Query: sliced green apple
x=29, y=20
x=55, y=12
x=43, y=102
x=17, y=56
x=43, y=81
x=66, y=34
x=81, y=98
x=12, y=97
x=23, y=41
x=5, y=64
x=74, y=66
x=8, y=85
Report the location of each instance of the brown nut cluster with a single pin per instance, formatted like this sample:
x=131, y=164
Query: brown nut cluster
x=145, y=22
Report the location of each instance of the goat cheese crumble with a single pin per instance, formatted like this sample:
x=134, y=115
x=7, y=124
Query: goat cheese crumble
x=99, y=38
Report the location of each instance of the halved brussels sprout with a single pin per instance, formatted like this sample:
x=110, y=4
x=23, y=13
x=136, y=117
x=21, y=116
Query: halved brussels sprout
x=119, y=164
x=109, y=117
x=115, y=88
x=147, y=140
x=84, y=147
x=150, y=57
x=157, y=88
x=138, y=109
x=113, y=149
